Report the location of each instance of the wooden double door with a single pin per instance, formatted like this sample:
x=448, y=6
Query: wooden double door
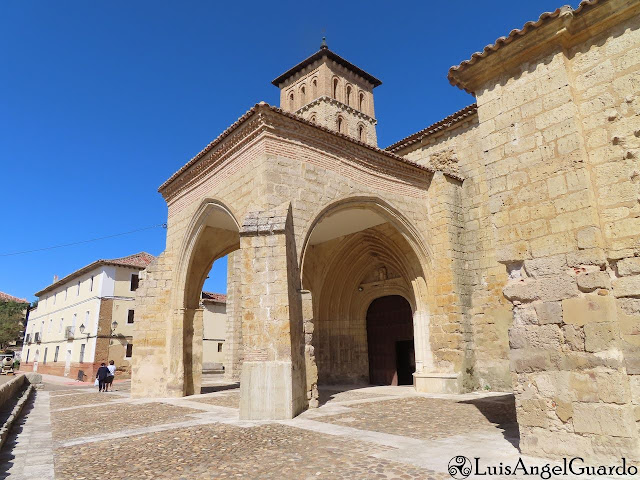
x=390, y=341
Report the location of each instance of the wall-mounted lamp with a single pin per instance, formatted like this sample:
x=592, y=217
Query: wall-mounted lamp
x=82, y=328
x=114, y=325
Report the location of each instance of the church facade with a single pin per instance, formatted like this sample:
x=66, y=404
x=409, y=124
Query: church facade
x=497, y=249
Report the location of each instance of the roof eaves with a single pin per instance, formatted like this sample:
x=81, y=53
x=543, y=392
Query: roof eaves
x=514, y=35
x=440, y=125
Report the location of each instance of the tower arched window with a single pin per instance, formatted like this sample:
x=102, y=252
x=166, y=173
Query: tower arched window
x=335, y=88
x=361, y=102
x=291, y=101
x=340, y=125
x=314, y=87
x=348, y=99
x=303, y=95
x=361, y=133
x=312, y=119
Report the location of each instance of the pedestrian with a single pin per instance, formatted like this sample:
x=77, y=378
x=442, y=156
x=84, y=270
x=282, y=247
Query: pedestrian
x=112, y=373
x=101, y=376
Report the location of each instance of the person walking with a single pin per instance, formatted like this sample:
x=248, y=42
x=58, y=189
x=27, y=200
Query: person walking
x=101, y=376
x=112, y=373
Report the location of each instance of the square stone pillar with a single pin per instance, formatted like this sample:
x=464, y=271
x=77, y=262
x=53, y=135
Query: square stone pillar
x=273, y=381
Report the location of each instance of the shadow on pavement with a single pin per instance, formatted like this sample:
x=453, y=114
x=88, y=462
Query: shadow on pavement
x=501, y=411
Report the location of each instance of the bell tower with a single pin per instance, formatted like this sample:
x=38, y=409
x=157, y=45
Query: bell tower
x=332, y=92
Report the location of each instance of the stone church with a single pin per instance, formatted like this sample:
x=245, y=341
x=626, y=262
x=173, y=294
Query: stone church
x=497, y=249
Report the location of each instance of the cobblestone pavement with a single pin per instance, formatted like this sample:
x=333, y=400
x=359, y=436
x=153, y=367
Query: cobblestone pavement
x=438, y=418
x=103, y=419
x=364, y=433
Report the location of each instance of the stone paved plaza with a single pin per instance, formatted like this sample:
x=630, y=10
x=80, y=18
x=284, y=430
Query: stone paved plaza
x=364, y=433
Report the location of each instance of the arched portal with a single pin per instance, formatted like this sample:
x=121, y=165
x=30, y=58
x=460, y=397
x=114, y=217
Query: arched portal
x=390, y=341
x=213, y=234
x=358, y=251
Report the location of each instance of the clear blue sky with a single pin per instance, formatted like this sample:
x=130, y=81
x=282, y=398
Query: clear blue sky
x=100, y=102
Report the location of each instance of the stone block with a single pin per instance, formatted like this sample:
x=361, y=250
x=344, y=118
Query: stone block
x=266, y=391
x=533, y=413
x=573, y=337
x=600, y=336
x=521, y=290
x=613, y=387
x=628, y=266
x=589, y=237
x=589, y=281
x=549, y=312
x=627, y=286
x=557, y=287
x=539, y=267
x=604, y=419
x=582, y=310
x=594, y=256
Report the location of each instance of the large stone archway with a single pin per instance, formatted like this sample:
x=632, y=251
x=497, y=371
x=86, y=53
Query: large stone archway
x=265, y=212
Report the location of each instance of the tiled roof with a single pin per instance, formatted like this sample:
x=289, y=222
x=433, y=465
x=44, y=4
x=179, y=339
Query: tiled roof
x=446, y=122
x=139, y=260
x=271, y=108
x=515, y=34
x=331, y=56
x=5, y=297
x=214, y=297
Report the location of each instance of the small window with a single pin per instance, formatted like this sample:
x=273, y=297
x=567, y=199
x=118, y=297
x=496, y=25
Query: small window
x=340, y=127
x=291, y=101
x=61, y=324
x=130, y=316
x=78, y=291
x=54, y=298
x=55, y=355
x=361, y=133
x=219, y=347
x=82, y=353
x=27, y=360
x=91, y=284
x=335, y=88
x=129, y=350
x=66, y=291
x=314, y=87
x=361, y=106
x=312, y=119
x=50, y=325
x=44, y=360
x=86, y=318
x=135, y=280
x=303, y=92
x=348, y=102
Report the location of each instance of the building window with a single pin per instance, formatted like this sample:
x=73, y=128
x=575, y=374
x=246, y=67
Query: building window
x=135, y=281
x=291, y=101
x=314, y=87
x=82, y=353
x=66, y=290
x=340, y=126
x=303, y=92
x=348, y=102
x=61, y=324
x=91, y=284
x=50, y=325
x=129, y=350
x=361, y=133
x=55, y=355
x=312, y=119
x=27, y=360
x=130, y=316
x=78, y=291
x=44, y=360
x=219, y=347
x=361, y=106
x=335, y=88
x=73, y=323
x=54, y=298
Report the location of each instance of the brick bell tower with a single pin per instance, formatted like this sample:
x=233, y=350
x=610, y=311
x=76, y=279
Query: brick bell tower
x=332, y=92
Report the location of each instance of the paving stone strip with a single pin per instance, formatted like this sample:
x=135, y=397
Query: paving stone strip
x=28, y=452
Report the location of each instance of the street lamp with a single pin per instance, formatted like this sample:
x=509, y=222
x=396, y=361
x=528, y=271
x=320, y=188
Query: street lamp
x=114, y=325
x=82, y=327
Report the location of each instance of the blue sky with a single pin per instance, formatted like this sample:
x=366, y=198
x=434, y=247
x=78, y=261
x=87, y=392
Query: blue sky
x=100, y=102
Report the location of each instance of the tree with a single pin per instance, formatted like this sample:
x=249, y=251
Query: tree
x=11, y=317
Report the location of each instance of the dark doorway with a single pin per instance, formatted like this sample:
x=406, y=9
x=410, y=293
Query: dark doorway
x=390, y=341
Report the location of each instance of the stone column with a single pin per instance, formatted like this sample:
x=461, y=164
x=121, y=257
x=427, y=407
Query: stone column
x=192, y=353
x=273, y=382
x=233, y=343
x=309, y=350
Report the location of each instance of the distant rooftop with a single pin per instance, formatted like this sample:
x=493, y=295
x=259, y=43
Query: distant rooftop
x=5, y=297
x=210, y=297
x=139, y=260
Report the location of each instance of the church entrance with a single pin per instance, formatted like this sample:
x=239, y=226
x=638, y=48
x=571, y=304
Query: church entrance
x=390, y=341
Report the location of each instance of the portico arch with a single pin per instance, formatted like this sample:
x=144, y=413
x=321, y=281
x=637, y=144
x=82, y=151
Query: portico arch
x=354, y=251
x=212, y=234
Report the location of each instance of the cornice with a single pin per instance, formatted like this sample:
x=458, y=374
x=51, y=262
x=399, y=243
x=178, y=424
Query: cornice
x=263, y=117
x=339, y=104
x=562, y=28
